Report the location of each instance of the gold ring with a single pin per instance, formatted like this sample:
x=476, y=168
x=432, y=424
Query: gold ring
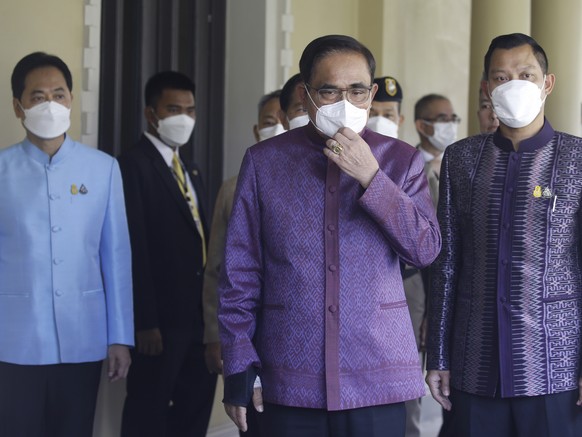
x=337, y=148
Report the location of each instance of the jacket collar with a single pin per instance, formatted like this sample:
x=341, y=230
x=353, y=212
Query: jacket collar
x=539, y=140
x=43, y=158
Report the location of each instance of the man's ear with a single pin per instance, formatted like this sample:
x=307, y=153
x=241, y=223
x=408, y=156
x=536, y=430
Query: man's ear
x=373, y=91
x=485, y=89
x=421, y=127
x=549, y=83
x=418, y=125
x=150, y=116
x=256, y=133
x=302, y=94
x=400, y=120
x=17, y=108
x=283, y=119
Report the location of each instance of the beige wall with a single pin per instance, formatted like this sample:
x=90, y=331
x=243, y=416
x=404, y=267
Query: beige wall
x=27, y=26
x=424, y=44
x=435, y=54
x=318, y=18
x=488, y=20
x=556, y=27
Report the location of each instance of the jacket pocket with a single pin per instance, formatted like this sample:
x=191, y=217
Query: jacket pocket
x=14, y=293
x=392, y=305
x=92, y=292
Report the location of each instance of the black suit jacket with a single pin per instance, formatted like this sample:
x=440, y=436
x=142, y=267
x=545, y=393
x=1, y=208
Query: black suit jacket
x=166, y=247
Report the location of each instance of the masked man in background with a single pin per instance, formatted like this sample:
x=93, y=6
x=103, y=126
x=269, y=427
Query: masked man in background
x=169, y=389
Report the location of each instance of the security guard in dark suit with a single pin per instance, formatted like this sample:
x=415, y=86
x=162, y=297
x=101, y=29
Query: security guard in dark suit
x=169, y=389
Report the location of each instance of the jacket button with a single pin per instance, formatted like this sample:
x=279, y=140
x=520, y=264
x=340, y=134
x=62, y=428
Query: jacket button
x=332, y=308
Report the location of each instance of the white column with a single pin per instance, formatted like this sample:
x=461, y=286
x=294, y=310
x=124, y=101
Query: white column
x=489, y=19
x=557, y=27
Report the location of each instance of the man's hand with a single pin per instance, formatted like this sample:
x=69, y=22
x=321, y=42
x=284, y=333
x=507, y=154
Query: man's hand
x=438, y=383
x=149, y=341
x=258, y=396
x=239, y=414
x=352, y=155
x=213, y=358
x=118, y=362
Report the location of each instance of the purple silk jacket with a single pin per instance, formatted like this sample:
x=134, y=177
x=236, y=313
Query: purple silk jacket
x=311, y=291
x=506, y=291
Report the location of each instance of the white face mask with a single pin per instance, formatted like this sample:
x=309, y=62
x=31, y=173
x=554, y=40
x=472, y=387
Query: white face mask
x=296, y=122
x=445, y=134
x=175, y=130
x=331, y=118
x=47, y=120
x=383, y=126
x=517, y=102
x=271, y=131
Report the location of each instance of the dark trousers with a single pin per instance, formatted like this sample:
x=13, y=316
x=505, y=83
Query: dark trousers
x=55, y=400
x=448, y=426
x=530, y=416
x=170, y=394
x=377, y=421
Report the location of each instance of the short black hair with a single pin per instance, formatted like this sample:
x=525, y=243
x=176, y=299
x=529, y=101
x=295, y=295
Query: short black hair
x=288, y=90
x=511, y=41
x=268, y=97
x=32, y=62
x=423, y=102
x=165, y=80
x=320, y=47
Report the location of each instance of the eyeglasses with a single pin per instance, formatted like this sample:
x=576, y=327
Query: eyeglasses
x=355, y=95
x=443, y=119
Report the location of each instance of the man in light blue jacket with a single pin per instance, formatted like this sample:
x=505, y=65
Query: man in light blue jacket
x=65, y=264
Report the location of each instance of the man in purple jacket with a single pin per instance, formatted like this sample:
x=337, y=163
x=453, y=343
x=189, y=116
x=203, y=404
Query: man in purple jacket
x=311, y=295
x=505, y=315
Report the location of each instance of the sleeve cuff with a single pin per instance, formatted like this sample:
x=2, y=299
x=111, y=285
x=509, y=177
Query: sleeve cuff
x=238, y=388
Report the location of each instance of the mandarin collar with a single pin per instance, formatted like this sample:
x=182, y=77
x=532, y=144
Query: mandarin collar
x=41, y=157
x=539, y=140
x=313, y=134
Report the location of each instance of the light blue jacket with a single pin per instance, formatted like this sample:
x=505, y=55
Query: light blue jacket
x=65, y=260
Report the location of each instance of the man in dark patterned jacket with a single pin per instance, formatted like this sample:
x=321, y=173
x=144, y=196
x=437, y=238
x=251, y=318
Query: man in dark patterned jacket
x=506, y=296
